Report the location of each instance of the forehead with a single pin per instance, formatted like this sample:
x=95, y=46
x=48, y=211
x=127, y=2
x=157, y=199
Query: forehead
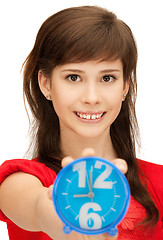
x=96, y=66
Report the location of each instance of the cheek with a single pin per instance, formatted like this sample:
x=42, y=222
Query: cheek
x=115, y=109
x=115, y=104
x=59, y=105
x=57, y=99
x=61, y=100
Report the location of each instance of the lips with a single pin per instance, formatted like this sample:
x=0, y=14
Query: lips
x=90, y=116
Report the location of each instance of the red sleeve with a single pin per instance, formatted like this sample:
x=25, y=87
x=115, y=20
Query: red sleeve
x=39, y=170
x=154, y=176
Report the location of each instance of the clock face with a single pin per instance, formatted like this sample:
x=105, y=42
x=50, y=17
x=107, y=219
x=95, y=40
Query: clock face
x=91, y=195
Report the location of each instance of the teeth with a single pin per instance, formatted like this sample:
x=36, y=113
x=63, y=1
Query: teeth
x=89, y=116
x=93, y=116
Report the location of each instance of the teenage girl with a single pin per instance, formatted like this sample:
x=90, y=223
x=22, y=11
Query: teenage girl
x=80, y=83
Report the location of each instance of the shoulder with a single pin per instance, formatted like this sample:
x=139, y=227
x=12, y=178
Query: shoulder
x=151, y=170
x=33, y=167
x=153, y=174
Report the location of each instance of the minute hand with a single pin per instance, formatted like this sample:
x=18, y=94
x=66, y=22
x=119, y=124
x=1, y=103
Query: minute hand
x=90, y=175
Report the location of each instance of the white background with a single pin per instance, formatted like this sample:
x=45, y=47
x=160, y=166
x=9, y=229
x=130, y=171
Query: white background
x=19, y=24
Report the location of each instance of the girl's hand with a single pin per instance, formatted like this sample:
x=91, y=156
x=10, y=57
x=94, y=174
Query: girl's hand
x=121, y=164
x=118, y=162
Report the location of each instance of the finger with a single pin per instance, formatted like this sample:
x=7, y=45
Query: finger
x=106, y=236
x=50, y=189
x=121, y=165
x=111, y=238
x=88, y=152
x=66, y=161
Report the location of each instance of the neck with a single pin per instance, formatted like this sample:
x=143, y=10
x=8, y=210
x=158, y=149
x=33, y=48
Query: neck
x=73, y=146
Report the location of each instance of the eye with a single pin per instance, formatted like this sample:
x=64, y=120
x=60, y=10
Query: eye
x=73, y=78
x=108, y=78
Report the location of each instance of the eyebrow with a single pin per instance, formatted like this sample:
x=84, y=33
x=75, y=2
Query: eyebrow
x=80, y=71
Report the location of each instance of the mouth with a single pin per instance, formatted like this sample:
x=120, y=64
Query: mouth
x=90, y=116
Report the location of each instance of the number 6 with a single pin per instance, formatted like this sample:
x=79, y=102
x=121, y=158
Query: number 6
x=84, y=216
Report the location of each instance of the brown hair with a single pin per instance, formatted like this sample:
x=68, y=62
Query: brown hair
x=76, y=35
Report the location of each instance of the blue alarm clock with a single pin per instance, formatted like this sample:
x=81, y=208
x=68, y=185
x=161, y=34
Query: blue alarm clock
x=91, y=196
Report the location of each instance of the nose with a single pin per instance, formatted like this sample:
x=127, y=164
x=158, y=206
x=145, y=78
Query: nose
x=91, y=94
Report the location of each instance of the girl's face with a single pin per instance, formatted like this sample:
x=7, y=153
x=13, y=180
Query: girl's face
x=87, y=97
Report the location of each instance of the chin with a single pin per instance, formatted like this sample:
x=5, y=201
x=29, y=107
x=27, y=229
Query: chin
x=90, y=134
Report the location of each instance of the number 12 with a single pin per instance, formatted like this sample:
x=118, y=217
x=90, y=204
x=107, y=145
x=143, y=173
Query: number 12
x=100, y=180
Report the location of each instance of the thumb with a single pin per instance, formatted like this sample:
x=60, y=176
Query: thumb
x=121, y=165
x=50, y=190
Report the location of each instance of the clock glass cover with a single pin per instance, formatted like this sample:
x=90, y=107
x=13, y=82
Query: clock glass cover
x=91, y=196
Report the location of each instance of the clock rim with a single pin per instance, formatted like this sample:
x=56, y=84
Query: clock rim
x=109, y=227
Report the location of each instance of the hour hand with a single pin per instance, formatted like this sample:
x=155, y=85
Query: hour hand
x=90, y=195
x=81, y=195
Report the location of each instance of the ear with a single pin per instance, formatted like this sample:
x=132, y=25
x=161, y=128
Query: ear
x=44, y=84
x=126, y=86
x=126, y=89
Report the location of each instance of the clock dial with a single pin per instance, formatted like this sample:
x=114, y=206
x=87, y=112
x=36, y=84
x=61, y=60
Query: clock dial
x=91, y=195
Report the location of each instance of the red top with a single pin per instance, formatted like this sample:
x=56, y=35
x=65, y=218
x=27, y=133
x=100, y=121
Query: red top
x=135, y=214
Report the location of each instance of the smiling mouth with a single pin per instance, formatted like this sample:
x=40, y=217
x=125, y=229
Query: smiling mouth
x=89, y=116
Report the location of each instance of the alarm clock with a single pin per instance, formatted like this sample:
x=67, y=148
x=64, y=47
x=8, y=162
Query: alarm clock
x=91, y=196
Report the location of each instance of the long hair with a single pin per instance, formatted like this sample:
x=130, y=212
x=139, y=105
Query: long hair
x=76, y=35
